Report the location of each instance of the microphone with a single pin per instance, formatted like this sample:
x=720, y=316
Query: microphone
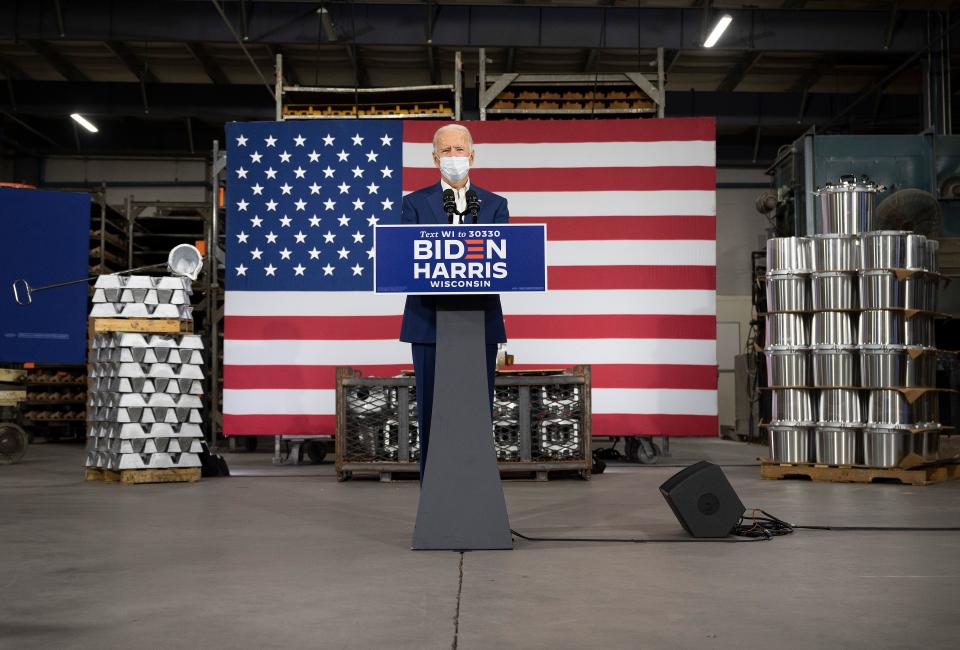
x=449, y=204
x=473, y=204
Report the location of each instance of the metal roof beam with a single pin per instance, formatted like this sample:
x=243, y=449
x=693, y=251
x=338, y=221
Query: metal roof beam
x=478, y=25
x=137, y=67
x=56, y=60
x=738, y=71
x=211, y=69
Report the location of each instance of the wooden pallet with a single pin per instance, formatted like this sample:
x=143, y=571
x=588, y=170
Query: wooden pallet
x=144, y=325
x=135, y=476
x=924, y=475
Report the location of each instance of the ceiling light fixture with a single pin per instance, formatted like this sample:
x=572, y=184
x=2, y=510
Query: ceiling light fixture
x=84, y=122
x=718, y=30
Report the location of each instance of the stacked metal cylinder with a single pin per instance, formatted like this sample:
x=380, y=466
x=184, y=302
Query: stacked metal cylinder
x=141, y=296
x=849, y=330
x=144, y=400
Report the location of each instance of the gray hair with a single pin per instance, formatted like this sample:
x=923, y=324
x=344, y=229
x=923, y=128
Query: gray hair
x=452, y=127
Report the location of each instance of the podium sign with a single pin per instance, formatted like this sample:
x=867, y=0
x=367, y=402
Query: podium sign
x=462, y=259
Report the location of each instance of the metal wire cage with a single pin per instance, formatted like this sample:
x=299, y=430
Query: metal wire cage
x=541, y=423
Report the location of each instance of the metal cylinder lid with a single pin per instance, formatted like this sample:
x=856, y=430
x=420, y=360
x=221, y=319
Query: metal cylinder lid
x=851, y=183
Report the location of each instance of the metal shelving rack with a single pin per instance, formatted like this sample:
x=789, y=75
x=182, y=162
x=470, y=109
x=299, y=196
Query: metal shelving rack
x=108, y=235
x=399, y=102
x=648, y=89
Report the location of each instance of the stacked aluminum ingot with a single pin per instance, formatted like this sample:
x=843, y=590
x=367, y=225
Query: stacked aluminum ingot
x=144, y=401
x=866, y=318
x=142, y=296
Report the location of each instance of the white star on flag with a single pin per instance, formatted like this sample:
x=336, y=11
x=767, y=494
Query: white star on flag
x=300, y=237
x=358, y=205
x=256, y=156
x=387, y=204
x=343, y=155
x=315, y=189
x=372, y=156
x=386, y=140
x=272, y=206
x=271, y=238
x=328, y=172
x=257, y=189
x=343, y=252
x=285, y=221
x=285, y=253
x=372, y=221
x=357, y=140
x=241, y=141
x=285, y=188
x=357, y=172
x=271, y=141
x=357, y=269
x=299, y=140
x=241, y=270
x=314, y=156
x=301, y=205
x=387, y=172
x=256, y=253
x=328, y=237
x=370, y=254
x=256, y=221
x=285, y=157
x=242, y=205
x=358, y=237
x=328, y=140
x=241, y=172
x=242, y=237
x=344, y=188
x=299, y=269
x=270, y=172
x=328, y=270
x=344, y=220
x=270, y=269
x=315, y=221
x=372, y=188
x=314, y=253
x=329, y=204
x=300, y=172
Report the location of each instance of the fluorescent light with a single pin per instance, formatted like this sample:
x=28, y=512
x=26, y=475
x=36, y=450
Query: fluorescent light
x=84, y=122
x=718, y=30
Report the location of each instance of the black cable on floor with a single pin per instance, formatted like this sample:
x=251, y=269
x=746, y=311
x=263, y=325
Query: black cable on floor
x=633, y=540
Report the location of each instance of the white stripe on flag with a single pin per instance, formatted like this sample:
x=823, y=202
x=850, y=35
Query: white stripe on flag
x=567, y=352
x=654, y=400
x=585, y=302
x=604, y=400
x=544, y=155
x=632, y=252
x=611, y=204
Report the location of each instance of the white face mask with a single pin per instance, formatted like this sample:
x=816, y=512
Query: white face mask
x=455, y=168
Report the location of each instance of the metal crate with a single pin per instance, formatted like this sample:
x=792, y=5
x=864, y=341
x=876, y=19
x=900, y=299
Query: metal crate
x=541, y=423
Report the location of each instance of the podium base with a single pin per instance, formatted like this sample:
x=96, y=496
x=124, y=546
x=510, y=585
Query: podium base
x=461, y=498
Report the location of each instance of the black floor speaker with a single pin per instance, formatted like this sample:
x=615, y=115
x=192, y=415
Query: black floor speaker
x=703, y=500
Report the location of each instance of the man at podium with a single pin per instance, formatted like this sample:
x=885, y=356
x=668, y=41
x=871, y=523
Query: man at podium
x=451, y=200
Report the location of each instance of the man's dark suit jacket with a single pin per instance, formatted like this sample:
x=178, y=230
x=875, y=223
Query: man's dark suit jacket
x=420, y=313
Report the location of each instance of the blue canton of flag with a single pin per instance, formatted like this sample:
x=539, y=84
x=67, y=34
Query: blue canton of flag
x=303, y=198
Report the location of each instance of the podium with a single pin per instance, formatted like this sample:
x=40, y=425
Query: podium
x=461, y=499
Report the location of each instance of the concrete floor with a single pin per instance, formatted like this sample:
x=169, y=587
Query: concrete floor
x=286, y=557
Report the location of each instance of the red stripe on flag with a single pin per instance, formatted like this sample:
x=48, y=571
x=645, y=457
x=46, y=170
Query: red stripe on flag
x=603, y=375
x=269, y=425
x=296, y=377
x=632, y=277
x=575, y=179
x=347, y=328
x=295, y=328
x=534, y=131
x=619, y=326
x=610, y=228
x=653, y=424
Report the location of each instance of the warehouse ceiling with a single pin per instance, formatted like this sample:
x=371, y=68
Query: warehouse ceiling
x=162, y=76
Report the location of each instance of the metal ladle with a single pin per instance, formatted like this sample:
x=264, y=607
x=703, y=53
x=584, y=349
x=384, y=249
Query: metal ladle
x=184, y=261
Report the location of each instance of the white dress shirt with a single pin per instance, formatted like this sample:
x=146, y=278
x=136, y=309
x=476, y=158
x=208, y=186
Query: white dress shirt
x=460, y=196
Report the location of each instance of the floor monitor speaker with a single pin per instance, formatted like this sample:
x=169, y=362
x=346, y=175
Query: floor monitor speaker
x=703, y=500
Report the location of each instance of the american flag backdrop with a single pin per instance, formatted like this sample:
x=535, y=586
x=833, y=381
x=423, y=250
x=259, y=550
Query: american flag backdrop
x=630, y=209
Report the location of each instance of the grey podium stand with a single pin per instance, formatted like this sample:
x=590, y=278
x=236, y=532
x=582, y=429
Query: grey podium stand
x=461, y=499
